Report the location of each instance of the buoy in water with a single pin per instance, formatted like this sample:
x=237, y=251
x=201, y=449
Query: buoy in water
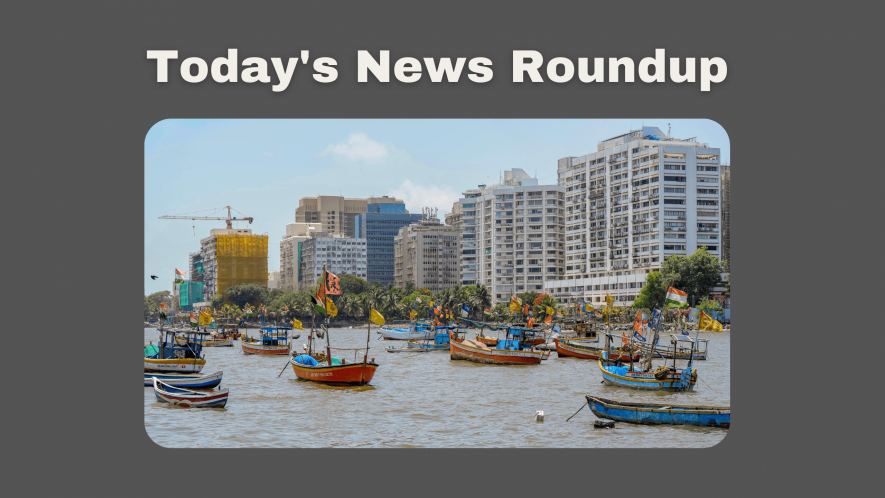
x=539, y=416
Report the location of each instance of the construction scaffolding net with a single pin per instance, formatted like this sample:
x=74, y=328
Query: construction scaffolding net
x=241, y=259
x=189, y=293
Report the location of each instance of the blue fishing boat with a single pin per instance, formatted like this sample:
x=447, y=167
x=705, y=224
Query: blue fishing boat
x=415, y=330
x=654, y=414
x=209, y=381
x=633, y=375
x=178, y=351
x=440, y=342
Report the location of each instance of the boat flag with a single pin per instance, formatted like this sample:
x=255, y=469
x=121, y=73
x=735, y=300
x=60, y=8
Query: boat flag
x=637, y=327
x=609, y=300
x=319, y=300
x=588, y=307
x=465, y=310
x=376, y=317
x=418, y=299
x=514, y=304
x=436, y=310
x=193, y=320
x=486, y=312
x=296, y=324
x=549, y=319
x=708, y=324
x=525, y=309
x=540, y=298
x=676, y=298
x=558, y=315
x=331, y=310
x=530, y=322
x=557, y=329
x=333, y=285
x=550, y=311
x=205, y=318
x=413, y=314
x=436, y=321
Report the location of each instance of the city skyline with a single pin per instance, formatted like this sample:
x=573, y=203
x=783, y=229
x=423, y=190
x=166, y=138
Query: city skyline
x=263, y=167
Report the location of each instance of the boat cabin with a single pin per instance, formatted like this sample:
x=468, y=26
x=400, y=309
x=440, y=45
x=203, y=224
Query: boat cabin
x=520, y=338
x=275, y=336
x=577, y=329
x=179, y=343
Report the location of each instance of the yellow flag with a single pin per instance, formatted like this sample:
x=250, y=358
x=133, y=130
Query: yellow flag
x=717, y=327
x=550, y=310
x=705, y=323
x=205, y=318
x=609, y=300
x=296, y=324
x=413, y=314
x=331, y=310
x=376, y=317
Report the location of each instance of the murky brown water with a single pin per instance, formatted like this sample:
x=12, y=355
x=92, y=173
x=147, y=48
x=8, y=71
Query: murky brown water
x=425, y=400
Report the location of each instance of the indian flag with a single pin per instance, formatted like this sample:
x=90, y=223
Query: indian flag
x=677, y=298
x=486, y=312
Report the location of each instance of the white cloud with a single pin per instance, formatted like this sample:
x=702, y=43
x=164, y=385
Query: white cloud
x=359, y=147
x=417, y=197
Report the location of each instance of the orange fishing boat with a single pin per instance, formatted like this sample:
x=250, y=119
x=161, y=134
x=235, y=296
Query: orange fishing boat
x=334, y=371
x=567, y=348
x=506, y=352
x=488, y=341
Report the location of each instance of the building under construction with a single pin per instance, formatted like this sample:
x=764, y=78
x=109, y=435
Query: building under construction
x=232, y=256
x=725, y=185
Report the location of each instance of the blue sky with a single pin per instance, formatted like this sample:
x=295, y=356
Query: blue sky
x=262, y=167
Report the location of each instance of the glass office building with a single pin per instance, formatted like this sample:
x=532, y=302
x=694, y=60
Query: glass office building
x=379, y=225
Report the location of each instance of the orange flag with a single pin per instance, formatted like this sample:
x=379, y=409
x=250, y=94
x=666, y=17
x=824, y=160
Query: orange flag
x=549, y=319
x=525, y=309
x=530, y=323
x=333, y=286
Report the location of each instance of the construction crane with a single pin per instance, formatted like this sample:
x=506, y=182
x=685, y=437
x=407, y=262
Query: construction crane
x=190, y=216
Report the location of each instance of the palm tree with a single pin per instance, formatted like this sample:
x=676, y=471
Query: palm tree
x=480, y=298
x=409, y=288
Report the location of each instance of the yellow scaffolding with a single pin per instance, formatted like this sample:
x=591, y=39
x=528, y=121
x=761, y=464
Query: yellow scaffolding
x=241, y=259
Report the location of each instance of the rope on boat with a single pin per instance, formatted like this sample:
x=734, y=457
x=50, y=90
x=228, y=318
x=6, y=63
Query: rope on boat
x=349, y=349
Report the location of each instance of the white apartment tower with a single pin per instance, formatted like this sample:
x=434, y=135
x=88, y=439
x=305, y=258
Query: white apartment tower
x=426, y=253
x=512, y=237
x=639, y=198
x=290, y=268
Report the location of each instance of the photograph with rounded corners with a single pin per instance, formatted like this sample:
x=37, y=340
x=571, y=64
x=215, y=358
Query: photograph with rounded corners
x=438, y=283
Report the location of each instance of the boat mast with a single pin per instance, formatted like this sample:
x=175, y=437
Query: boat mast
x=326, y=321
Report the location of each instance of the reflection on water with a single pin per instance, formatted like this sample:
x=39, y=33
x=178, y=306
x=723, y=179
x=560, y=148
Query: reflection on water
x=425, y=400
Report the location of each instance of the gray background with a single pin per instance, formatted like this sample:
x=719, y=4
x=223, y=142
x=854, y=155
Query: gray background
x=798, y=104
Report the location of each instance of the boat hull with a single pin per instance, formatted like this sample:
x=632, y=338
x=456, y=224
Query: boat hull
x=567, y=349
x=352, y=374
x=488, y=341
x=190, y=399
x=229, y=342
x=460, y=351
x=652, y=414
x=209, y=381
x=645, y=381
x=258, y=348
x=178, y=365
x=405, y=335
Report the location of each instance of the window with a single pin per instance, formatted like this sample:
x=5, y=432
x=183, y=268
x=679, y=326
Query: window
x=674, y=179
x=675, y=190
x=676, y=167
x=676, y=201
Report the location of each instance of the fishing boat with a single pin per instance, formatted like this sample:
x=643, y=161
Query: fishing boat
x=655, y=414
x=415, y=330
x=441, y=340
x=169, y=355
x=663, y=378
x=509, y=351
x=215, y=342
x=334, y=371
x=272, y=340
x=209, y=381
x=681, y=352
x=576, y=349
x=487, y=340
x=166, y=393
x=576, y=329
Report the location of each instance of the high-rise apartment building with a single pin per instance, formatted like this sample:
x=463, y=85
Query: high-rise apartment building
x=340, y=254
x=379, y=225
x=426, y=254
x=725, y=178
x=290, y=269
x=639, y=198
x=336, y=214
x=512, y=236
x=230, y=257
